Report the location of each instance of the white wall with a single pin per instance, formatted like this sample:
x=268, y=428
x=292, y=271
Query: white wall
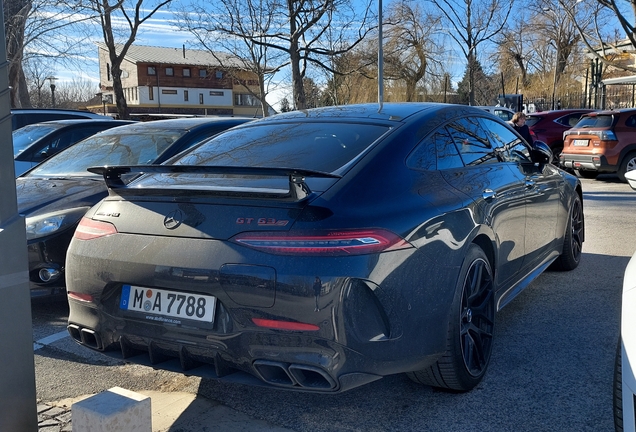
x=177, y=99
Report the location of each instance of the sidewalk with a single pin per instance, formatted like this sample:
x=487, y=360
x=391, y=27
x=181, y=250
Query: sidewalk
x=176, y=411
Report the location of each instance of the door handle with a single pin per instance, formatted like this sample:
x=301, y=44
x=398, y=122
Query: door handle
x=489, y=194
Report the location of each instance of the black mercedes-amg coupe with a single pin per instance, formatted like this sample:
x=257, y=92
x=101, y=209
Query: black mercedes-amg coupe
x=320, y=250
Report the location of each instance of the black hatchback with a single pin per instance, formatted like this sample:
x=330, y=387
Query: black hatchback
x=323, y=249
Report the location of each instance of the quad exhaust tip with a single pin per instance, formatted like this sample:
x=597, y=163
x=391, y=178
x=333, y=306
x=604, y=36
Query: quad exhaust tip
x=294, y=375
x=85, y=336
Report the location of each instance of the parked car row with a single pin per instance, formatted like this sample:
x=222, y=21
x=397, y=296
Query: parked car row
x=55, y=194
x=36, y=142
x=549, y=126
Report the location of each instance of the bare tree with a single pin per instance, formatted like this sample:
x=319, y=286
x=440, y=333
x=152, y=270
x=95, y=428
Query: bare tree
x=409, y=46
x=41, y=30
x=297, y=30
x=36, y=74
x=16, y=13
x=591, y=18
x=118, y=39
x=226, y=29
x=515, y=52
x=470, y=24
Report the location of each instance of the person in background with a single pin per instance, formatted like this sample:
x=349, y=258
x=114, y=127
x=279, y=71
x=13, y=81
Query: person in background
x=518, y=122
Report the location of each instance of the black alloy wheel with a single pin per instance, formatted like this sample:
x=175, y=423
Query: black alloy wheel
x=477, y=318
x=470, y=330
x=573, y=242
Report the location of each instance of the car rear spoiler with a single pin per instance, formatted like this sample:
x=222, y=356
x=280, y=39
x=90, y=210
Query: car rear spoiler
x=298, y=189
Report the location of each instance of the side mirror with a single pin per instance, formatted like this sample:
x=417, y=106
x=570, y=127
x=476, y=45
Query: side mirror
x=541, y=153
x=630, y=176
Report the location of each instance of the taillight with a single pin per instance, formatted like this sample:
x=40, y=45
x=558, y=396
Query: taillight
x=89, y=229
x=284, y=325
x=608, y=135
x=355, y=242
x=80, y=296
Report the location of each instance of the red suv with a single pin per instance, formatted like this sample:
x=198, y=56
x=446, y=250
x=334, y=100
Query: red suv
x=548, y=126
x=601, y=142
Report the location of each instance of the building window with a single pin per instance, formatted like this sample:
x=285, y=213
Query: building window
x=169, y=71
x=136, y=94
x=203, y=73
x=107, y=72
x=219, y=74
x=185, y=95
x=200, y=98
x=152, y=70
x=216, y=93
x=186, y=72
x=245, y=100
x=151, y=95
x=164, y=91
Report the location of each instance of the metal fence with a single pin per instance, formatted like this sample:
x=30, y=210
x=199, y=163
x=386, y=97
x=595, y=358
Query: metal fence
x=604, y=97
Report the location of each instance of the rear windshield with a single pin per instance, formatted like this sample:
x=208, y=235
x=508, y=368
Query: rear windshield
x=598, y=121
x=24, y=137
x=314, y=146
x=532, y=120
x=110, y=148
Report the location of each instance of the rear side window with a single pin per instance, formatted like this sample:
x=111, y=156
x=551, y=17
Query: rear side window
x=569, y=120
x=597, y=121
x=471, y=141
x=313, y=146
x=631, y=121
x=437, y=151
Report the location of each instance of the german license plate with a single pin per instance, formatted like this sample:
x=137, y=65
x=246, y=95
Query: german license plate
x=168, y=303
x=581, y=142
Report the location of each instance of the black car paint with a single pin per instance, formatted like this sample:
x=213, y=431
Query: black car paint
x=378, y=314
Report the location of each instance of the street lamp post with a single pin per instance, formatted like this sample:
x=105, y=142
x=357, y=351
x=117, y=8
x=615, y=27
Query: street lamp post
x=52, y=80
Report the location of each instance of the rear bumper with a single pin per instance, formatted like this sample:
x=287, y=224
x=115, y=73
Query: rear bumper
x=375, y=315
x=298, y=361
x=596, y=162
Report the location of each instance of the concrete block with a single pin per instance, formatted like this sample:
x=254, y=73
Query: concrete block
x=113, y=410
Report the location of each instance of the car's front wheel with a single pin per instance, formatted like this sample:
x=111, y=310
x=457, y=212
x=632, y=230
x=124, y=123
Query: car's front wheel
x=470, y=331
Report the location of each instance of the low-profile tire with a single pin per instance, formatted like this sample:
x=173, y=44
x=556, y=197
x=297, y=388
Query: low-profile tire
x=628, y=164
x=470, y=330
x=587, y=174
x=573, y=242
x=618, y=389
